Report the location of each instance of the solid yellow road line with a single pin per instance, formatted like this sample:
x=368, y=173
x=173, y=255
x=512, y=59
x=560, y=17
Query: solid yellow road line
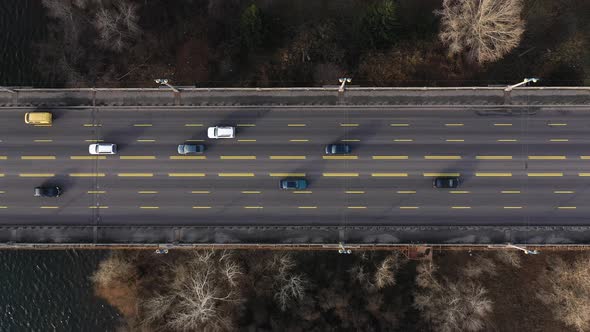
x=557, y=124
x=460, y=207
x=246, y=125
x=583, y=174
x=503, y=124
x=96, y=192
x=37, y=157
x=253, y=207
x=547, y=157
x=307, y=207
x=188, y=157
x=442, y=174
x=349, y=125
x=43, y=140
x=287, y=157
x=93, y=140
x=286, y=174
x=149, y=207
x=455, y=140
x=566, y=207
x=200, y=192
x=356, y=207
x=492, y=174
x=237, y=157
x=563, y=192
x=246, y=140
x=135, y=174
x=409, y=207
x=187, y=174
x=98, y=207
x=510, y=192
x=356, y=192
x=147, y=192
x=403, y=140
x=137, y=157
x=49, y=207
x=340, y=157
x=302, y=192
x=36, y=175
x=545, y=174
x=350, y=140
x=340, y=174
x=512, y=207
x=454, y=124
x=88, y=157
x=296, y=125
x=250, y=192
x=87, y=174
x=399, y=124
x=507, y=140
x=201, y=207
x=193, y=124
x=442, y=157
x=389, y=174
x=390, y=157
x=559, y=140
x=493, y=157
x=459, y=192
x=298, y=140
x=406, y=191
x=236, y=174
x=142, y=125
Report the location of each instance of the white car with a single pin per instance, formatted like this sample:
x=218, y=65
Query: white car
x=102, y=148
x=221, y=132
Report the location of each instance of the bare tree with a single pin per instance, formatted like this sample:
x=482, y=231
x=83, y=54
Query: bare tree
x=479, y=266
x=289, y=287
x=483, y=29
x=565, y=288
x=510, y=257
x=386, y=271
x=117, y=25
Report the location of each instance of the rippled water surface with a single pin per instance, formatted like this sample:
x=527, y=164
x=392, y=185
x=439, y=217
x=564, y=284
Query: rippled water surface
x=51, y=291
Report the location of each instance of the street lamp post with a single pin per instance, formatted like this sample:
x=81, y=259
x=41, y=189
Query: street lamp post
x=512, y=246
x=164, y=81
x=7, y=89
x=525, y=81
x=343, y=80
x=342, y=249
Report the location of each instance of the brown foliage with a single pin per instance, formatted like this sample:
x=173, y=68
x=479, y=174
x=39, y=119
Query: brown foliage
x=483, y=29
x=565, y=288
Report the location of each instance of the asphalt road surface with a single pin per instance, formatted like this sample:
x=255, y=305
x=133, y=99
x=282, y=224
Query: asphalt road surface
x=519, y=168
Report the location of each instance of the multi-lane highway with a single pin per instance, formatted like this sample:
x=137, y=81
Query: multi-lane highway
x=518, y=167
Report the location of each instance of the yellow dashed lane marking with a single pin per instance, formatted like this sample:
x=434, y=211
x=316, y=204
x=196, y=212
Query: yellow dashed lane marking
x=454, y=124
x=584, y=157
x=459, y=192
x=87, y=174
x=94, y=192
x=193, y=124
x=43, y=140
x=49, y=207
x=3, y=207
x=340, y=157
x=37, y=157
x=545, y=174
x=296, y=125
x=92, y=125
x=137, y=157
x=557, y=124
x=201, y=207
x=442, y=174
x=1, y=175
x=492, y=174
x=563, y=192
x=510, y=191
x=298, y=140
x=200, y=192
x=88, y=157
x=356, y=207
x=237, y=157
x=559, y=140
x=35, y=175
x=409, y=207
x=566, y=207
x=400, y=125
x=354, y=192
x=246, y=140
x=503, y=124
x=253, y=207
x=389, y=174
x=340, y=174
x=251, y=192
x=455, y=140
x=146, y=140
x=135, y=174
x=188, y=157
x=187, y=174
x=403, y=140
x=493, y=157
x=98, y=207
x=460, y=207
x=390, y=157
x=303, y=192
x=3, y=157
x=547, y=157
x=406, y=191
x=149, y=207
x=287, y=157
x=93, y=140
x=442, y=157
x=142, y=125
x=512, y=207
x=194, y=140
x=307, y=207
x=350, y=140
x=583, y=174
x=246, y=125
x=236, y=174
x=349, y=125
x=507, y=140
x=147, y=192
x=286, y=174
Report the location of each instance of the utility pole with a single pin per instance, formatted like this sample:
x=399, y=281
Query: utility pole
x=525, y=81
x=343, y=80
x=164, y=81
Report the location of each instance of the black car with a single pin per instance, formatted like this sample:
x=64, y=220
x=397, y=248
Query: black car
x=191, y=148
x=446, y=182
x=50, y=191
x=338, y=149
x=293, y=184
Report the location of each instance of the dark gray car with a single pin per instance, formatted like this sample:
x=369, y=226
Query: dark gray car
x=446, y=182
x=48, y=191
x=338, y=149
x=191, y=148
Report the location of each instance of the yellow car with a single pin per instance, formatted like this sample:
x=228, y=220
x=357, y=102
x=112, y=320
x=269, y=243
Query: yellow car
x=41, y=118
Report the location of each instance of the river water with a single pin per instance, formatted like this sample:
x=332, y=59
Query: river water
x=43, y=290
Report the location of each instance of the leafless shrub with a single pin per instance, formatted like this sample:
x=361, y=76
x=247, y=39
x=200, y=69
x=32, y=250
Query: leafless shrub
x=510, y=257
x=462, y=305
x=117, y=25
x=565, y=289
x=386, y=271
x=116, y=268
x=478, y=266
x=485, y=29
